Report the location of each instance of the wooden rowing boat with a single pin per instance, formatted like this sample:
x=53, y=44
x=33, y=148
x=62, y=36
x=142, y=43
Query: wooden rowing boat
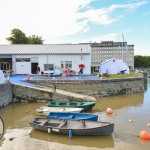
x=86, y=105
x=77, y=127
x=46, y=110
x=75, y=116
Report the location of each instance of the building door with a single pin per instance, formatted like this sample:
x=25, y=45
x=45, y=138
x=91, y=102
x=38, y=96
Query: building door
x=23, y=67
x=34, y=68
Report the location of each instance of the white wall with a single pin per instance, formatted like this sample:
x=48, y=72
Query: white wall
x=76, y=60
x=25, y=67
x=22, y=67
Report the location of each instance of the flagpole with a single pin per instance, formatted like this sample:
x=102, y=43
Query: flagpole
x=81, y=54
x=122, y=50
x=122, y=46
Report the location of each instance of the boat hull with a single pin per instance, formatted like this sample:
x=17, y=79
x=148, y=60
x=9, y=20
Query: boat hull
x=46, y=110
x=74, y=116
x=87, y=106
x=90, y=127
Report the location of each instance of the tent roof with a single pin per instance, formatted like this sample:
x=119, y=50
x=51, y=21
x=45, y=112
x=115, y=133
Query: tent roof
x=113, y=59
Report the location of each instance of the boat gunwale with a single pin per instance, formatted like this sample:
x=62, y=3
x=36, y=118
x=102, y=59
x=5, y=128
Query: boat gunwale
x=107, y=124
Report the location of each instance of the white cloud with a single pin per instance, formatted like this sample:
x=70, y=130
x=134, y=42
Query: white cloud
x=54, y=18
x=104, y=37
x=48, y=18
x=104, y=16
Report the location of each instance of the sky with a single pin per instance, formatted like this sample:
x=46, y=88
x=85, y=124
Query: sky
x=78, y=21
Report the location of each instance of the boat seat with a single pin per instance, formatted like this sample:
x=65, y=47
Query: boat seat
x=82, y=123
x=68, y=104
x=57, y=103
x=62, y=124
x=42, y=123
x=79, y=104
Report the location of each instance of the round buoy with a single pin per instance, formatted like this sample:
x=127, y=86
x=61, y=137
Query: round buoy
x=144, y=135
x=148, y=124
x=109, y=111
x=130, y=120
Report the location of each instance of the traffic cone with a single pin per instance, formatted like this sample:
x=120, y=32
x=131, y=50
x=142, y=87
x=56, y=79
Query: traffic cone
x=8, y=79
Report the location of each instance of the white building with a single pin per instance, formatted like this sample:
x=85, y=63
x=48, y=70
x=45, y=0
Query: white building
x=105, y=50
x=23, y=59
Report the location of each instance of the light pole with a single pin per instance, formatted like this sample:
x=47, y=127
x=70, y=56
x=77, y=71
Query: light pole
x=81, y=54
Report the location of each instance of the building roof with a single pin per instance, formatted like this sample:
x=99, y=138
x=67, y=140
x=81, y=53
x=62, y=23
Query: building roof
x=45, y=49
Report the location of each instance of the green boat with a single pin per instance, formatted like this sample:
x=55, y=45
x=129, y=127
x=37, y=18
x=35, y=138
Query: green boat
x=87, y=106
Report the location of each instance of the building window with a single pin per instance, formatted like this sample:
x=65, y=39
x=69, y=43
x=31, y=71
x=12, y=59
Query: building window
x=66, y=64
x=22, y=59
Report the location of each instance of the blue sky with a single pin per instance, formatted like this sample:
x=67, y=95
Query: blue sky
x=77, y=21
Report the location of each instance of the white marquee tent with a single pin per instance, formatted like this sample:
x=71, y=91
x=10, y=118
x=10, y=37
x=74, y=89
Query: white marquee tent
x=113, y=66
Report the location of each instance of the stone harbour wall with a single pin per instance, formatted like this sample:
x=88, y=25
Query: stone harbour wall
x=22, y=93
x=45, y=89
x=27, y=94
x=96, y=88
x=5, y=94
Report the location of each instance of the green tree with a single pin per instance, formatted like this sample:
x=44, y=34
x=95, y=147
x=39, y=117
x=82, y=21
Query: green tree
x=17, y=37
x=35, y=40
x=141, y=61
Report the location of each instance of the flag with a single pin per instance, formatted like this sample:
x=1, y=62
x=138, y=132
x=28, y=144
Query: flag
x=126, y=46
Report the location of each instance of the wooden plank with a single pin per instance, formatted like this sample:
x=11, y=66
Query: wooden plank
x=62, y=123
x=82, y=123
x=42, y=123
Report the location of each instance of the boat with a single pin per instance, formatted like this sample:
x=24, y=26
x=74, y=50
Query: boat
x=76, y=127
x=75, y=116
x=86, y=105
x=44, y=110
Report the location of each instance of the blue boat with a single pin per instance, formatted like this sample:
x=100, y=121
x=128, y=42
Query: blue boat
x=74, y=116
x=87, y=106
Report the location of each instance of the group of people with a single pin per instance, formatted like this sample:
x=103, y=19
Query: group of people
x=66, y=71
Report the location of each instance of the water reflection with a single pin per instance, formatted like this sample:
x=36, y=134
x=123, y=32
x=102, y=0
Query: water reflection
x=132, y=106
x=118, y=102
x=89, y=141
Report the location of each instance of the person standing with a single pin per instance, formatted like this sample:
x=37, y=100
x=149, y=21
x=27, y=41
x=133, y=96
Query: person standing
x=81, y=72
x=38, y=70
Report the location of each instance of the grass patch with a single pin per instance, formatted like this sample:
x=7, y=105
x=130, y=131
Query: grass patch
x=132, y=74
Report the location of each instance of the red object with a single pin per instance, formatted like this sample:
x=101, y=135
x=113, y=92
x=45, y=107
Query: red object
x=144, y=135
x=28, y=77
x=81, y=65
x=66, y=71
x=109, y=111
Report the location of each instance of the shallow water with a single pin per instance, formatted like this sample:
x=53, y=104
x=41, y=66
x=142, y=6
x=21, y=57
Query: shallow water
x=19, y=135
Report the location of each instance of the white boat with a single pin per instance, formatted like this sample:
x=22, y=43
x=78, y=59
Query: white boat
x=46, y=110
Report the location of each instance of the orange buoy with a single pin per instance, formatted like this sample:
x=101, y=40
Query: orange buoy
x=109, y=111
x=144, y=135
